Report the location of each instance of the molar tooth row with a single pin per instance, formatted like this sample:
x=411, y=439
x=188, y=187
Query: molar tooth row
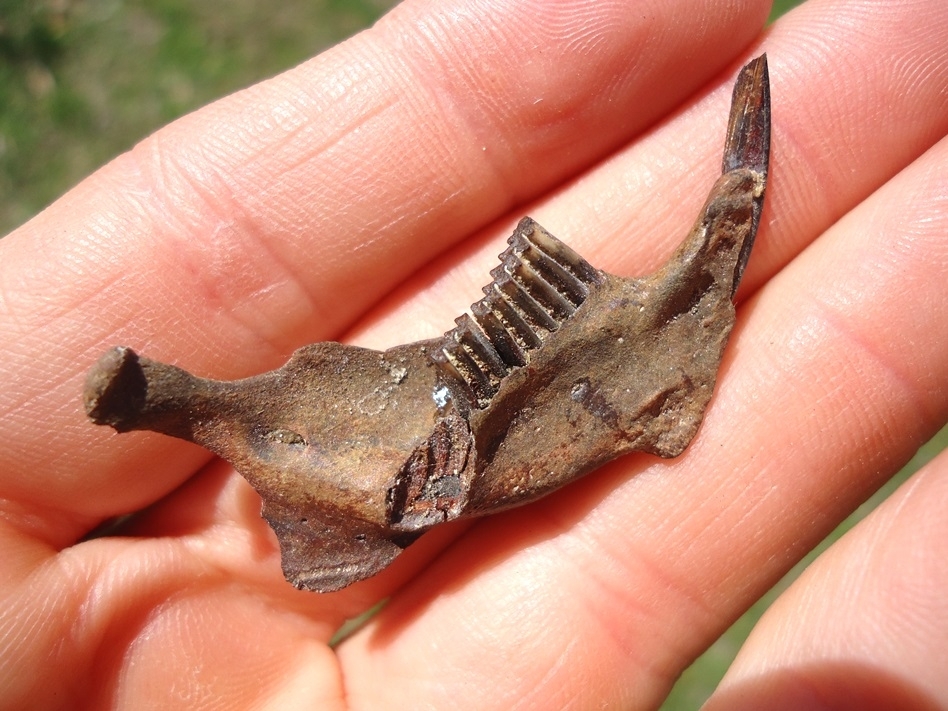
x=539, y=283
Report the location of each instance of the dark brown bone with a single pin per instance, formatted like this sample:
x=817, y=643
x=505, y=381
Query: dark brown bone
x=560, y=368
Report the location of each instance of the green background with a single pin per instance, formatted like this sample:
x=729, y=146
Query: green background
x=81, y=81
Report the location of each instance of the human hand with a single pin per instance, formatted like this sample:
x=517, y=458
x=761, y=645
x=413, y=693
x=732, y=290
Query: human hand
x=364, y=196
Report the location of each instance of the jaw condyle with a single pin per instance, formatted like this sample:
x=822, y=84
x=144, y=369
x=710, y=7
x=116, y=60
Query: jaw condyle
x=559, y=368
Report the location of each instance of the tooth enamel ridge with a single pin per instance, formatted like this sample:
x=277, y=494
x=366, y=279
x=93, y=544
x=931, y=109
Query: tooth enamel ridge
x=538, y=285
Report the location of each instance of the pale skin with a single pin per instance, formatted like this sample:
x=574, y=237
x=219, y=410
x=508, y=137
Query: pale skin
x=363, y=196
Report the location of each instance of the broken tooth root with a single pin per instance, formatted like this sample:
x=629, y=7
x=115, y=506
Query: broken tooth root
x=433, y=484
x=538, y=285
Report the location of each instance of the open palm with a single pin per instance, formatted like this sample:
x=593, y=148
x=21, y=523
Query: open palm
x=363, y=196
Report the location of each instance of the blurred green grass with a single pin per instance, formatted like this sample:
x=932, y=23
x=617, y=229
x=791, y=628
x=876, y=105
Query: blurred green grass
x=781, y=7
x=83, y=80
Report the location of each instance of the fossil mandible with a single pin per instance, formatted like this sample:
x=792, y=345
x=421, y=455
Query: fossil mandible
x=558, y=369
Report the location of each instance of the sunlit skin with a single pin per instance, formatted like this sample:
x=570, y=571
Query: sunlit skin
x=362, y=197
